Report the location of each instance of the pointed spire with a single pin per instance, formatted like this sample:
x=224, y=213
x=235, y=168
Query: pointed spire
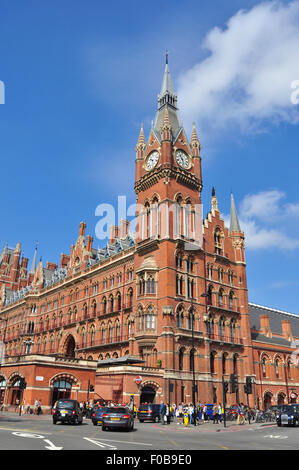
x=167, y=99
x=214, y=200
x=140, y=146
x=194, y=136
x=195, y=144
x=33, y=266
x=234, y=221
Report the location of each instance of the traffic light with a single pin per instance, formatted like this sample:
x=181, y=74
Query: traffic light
x=248, y=385
x=225, y=386
x=234, y=383
x=91, y=388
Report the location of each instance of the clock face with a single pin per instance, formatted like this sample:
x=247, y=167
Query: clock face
x=182, y=159
x=152, y=160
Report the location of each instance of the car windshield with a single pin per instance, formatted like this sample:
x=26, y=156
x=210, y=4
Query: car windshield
x=290, y=408
x=68, y=404
x=117, y=410
x=101, y=410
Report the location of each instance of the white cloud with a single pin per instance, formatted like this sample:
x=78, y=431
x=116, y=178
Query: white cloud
x=246, y=78
x=267, y=222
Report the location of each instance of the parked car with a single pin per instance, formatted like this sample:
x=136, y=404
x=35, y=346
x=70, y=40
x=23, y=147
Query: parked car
x=118, y=417
x=288, y=415
x=149, y=412
x=67, y=411
x=96, y=415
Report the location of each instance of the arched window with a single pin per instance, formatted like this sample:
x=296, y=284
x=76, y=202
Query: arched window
x=220, y=297
x=180, y=318
x=231, y=300
x=222, y=328
x=264, y=366
x=111, y=302
x=210, y=296
x=117, y=330
x=104, y=305
x=277, y=368
x=181, y=358
x=130, y=297
x=212, y=363
x=150, y=319
x=217, y=242
x=118, y=301
x=232, y=328
x=235, y=364
x=224, y=363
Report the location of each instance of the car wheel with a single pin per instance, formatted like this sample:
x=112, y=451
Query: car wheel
x=104, y=428
x=157, y=419
x=141, y=420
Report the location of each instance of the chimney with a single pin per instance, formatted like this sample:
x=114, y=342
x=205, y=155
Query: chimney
x=124, y=228
x=64, y=260
x=286, y=329
x=51, y=266
x=114, y=233
x=89, y=240
x=265, y=325
x=82, y=228
x=24, y=263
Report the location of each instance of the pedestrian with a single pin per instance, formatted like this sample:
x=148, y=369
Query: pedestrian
x=190, y=411
x=162, y=411
x=167, y=413
x=215, y=415
x=39, y=407
x=36, y=405
x=220, y=412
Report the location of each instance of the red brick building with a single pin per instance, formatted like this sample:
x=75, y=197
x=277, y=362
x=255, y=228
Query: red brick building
x=161, y=314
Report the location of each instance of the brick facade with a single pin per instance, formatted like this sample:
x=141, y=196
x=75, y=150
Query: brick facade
x=168, y=303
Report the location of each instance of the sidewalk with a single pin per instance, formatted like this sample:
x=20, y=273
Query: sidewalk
x=211, y=427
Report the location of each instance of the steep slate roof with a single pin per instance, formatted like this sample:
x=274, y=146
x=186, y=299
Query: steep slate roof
x=275, y=318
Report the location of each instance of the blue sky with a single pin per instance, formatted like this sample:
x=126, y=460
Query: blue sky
x=79, y=79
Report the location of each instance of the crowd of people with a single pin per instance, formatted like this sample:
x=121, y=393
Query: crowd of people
x=205, y=412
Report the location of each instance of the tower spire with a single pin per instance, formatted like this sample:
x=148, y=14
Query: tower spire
x=33, y=266
x=234, y=221
x=167, y=99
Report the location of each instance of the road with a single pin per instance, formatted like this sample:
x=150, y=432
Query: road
x=38, y=433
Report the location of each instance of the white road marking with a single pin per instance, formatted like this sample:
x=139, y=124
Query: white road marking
x=51, y=446
x=100, y=444
x=125, y=442
x=25, y=434
x=276, y=436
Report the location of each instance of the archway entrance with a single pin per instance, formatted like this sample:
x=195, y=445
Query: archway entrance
x=280, y=399
x=267, y=401
x=61, y=389
x=16, y=392
x=2, y=390
x=148, y=395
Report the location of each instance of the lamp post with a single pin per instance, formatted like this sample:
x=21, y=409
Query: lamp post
x=193, y=361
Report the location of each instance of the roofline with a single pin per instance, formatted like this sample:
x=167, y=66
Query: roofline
x=273, y=309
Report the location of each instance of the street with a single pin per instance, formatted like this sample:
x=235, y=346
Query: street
x=38, y=433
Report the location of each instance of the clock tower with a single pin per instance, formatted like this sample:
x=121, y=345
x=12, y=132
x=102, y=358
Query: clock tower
x=168, y=188
x=168, y=179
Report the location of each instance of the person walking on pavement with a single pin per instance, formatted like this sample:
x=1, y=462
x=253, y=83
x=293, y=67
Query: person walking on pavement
x=162, y=411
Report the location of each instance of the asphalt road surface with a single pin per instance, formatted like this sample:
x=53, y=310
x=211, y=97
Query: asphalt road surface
x=38, y=433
